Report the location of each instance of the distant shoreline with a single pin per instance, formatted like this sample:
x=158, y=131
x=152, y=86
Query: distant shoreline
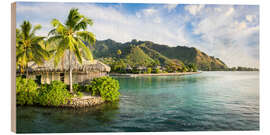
x=159, y=74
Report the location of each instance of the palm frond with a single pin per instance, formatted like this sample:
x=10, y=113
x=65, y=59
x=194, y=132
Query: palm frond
x=55, y=39
x=87, y=36
x=60, y=51
x=36, y=27
x=59, y=27
x=80, y=25
x=25, y=28
x=38, y=50
x=73, y=18
x=83, y=24
x=88, y=20
x=36, y=39
x=85, y=50
x=52, y=32
x=78, y=53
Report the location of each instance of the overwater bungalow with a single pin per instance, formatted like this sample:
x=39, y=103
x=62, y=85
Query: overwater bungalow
x=81, y=73
x=141, y=69
x=129, y=69
x=163, y=68
x=156, y=67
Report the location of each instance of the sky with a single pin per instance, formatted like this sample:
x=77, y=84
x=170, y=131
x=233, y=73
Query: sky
x=228, y=32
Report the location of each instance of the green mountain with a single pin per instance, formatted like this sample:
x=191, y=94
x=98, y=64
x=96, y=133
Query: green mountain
x=148, y=52
x=163, y=60
x=137, y=57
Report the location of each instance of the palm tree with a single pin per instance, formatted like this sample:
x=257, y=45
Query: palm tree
x=28, y=46
x=119, y=52
x=71, y=36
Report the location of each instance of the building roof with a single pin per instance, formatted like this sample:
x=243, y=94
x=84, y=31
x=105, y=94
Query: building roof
x=86, y=66
x=157, y=67
x=129, y=67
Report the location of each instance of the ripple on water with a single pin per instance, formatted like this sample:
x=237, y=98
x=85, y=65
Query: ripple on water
x=211, y=101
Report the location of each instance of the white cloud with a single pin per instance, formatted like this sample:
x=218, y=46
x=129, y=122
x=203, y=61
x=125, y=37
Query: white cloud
x=149, y=11
x=230, y=11
x=250, y=18
x=170, y=7
x=242, y=25
x=138, y=15
x=194, y=9
x=221, y=30
x=229, y=37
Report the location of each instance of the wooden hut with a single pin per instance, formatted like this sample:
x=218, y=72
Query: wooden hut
x=129, y=69
x=81, y=73
x=141, y=69
x=156, y=67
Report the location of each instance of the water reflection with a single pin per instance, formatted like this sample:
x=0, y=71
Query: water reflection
x=29, y=118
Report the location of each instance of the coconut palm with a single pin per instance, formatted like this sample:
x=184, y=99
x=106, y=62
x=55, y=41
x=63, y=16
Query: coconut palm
x=28, y=46
x=72, y=36
x=119, y=52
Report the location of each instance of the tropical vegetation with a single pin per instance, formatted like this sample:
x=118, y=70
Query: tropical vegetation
x=242, y=69
x=28, y=46
x=176, y=58
x=106, y=87
x=72, y=36
x=53, y=94
x=141, y=59
x=28, y=92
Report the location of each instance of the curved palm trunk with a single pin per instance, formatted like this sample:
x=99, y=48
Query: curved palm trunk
x=63, y=62
x=70, y=72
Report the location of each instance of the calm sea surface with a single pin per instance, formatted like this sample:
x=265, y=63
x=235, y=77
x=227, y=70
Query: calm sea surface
x=210, y=101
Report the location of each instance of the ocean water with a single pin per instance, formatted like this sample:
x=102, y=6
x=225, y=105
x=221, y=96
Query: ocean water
x=210, y=101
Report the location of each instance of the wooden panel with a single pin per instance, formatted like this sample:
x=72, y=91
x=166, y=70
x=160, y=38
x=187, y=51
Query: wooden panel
x=47, y=78
x=52, y=76
x=66, y=79
x=13, y=67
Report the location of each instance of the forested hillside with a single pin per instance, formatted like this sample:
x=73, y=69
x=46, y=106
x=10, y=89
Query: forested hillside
x=158, y=54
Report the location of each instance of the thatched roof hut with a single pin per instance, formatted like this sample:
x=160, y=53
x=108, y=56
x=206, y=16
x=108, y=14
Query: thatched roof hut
x=141, y=68
x=86, y=66
x=82, y=73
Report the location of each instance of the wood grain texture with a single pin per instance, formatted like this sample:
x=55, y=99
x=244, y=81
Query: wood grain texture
x=13, y=67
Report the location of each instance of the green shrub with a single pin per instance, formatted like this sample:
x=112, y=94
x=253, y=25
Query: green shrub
x=135, y=71
x=149, y=70
x=185, y=69
x=158, y=70
x=26, y=91
x=87, y=88
x=76, y=87
x=79, y=94
x=53, y=94
x=106, y=87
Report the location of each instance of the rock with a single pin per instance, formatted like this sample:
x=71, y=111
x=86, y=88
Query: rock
x=85, y=101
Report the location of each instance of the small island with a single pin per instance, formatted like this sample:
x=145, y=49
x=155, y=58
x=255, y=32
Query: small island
x=59, y=70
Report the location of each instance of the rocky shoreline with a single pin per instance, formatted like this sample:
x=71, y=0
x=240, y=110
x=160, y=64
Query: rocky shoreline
x=85, y=101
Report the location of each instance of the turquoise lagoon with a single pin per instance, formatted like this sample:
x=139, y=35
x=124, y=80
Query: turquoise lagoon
x=210, y=101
